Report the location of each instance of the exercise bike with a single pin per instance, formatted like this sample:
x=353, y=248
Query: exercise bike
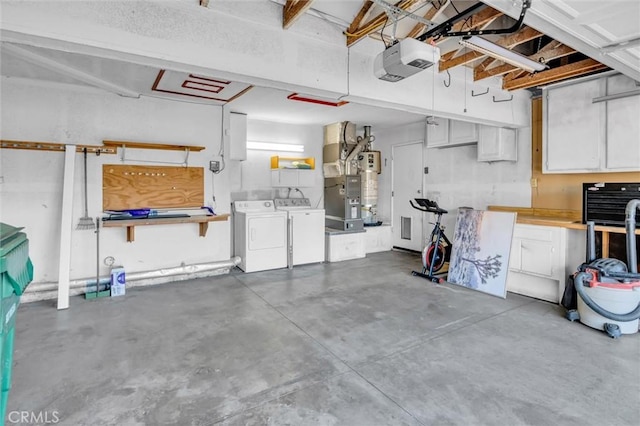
x=437, y=250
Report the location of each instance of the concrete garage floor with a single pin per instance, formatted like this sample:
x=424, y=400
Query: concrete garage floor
x=355, y=343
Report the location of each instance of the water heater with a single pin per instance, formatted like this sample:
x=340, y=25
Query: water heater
x=369, y=170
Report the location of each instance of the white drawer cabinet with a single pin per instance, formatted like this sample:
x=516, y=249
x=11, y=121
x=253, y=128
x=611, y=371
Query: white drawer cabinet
x=542, y=257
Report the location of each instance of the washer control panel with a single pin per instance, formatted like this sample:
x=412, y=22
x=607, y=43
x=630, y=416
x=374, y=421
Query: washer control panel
x=254, y=206
x=292, y=202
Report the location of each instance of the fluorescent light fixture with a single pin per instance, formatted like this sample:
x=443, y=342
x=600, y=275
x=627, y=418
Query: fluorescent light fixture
x=273, y=146
x=487, y=47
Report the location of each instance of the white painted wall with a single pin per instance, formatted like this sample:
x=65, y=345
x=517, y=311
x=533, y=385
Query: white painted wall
x=244, y=41
x=456, y=178
x=31, y=192
x=251, y=179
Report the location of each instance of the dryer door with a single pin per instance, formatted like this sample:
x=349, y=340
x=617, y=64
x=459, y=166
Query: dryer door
x=267, y=232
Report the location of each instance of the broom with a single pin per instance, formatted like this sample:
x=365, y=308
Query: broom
x=85, y=222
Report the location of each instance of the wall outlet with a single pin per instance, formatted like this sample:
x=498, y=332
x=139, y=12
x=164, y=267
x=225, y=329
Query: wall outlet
x=214, y=166
x=534, y=183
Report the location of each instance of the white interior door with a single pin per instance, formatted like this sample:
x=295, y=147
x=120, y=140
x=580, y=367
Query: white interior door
x=406, y=185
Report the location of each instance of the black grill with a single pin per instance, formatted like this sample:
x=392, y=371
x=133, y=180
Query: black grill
x=605, y=203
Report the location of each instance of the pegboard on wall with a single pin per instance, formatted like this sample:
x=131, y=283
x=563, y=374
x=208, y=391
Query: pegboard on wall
x=157, y=187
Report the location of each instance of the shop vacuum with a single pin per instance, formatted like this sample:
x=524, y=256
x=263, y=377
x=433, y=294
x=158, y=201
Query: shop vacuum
x=607, y=290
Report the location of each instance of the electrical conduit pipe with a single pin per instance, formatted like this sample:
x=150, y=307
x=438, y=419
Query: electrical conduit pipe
x=188, y=271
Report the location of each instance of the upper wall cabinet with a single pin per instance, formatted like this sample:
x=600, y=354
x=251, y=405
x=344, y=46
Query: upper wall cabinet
x=582, y=136
x=623, y=126
x=497, y=144
x=238, y=138
x=438, y=132
x=462, y=132
x=447, y=133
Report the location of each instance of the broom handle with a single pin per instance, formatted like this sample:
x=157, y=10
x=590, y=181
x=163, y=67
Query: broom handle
x=86, y=204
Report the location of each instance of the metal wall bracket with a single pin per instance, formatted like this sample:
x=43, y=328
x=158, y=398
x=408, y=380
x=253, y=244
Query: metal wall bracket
x=502, y=100
x=474, y=94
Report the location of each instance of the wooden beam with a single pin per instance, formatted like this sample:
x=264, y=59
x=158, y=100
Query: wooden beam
x=293, y=10
x=548, y=55
x=430, y=15
x=355, y=24
x=377, y=22
x=556, y=74
x=152, y=145
x=510, y=41
x=53, y=146
x=483, y=18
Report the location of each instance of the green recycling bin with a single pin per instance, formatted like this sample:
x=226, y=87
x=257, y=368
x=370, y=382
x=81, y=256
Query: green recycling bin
x=16, y=272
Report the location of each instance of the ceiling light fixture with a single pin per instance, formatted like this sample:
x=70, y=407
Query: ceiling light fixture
x=273, y=146
x=489, y=48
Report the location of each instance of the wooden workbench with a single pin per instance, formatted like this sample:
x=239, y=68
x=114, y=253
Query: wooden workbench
x=570, y=219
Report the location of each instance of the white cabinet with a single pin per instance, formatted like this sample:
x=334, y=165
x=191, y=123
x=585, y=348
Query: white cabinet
x=623, y=126
x=238, y=137
x=438, y=133
x=292, y=178
x=580, y=136
x=447, y=133
x=462, y=132
x=497, y=144
x=542, y=257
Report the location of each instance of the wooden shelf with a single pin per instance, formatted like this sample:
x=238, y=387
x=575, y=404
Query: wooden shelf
x=53, y=146
x=276, y=161
x=202, y=221
x=150, y=145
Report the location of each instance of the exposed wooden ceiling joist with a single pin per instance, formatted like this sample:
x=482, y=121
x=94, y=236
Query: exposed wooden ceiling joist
x=375, y=23
x=553, y=75
x=355, y=24
x=293, y=10
x=559, y=51
x=509, y=41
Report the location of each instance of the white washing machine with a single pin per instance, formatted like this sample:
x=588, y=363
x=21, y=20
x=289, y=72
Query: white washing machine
x=305, y=231
x=260, y=235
